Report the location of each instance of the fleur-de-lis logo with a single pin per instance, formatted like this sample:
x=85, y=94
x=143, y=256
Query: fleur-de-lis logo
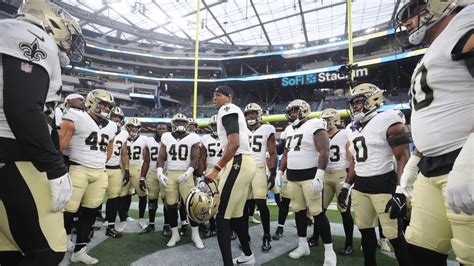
x=32, y=51
x=236, y=166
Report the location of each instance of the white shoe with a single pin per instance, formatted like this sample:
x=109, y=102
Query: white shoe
x=300, y=251
x=196, y=237
x=121, y=226
x=130, y=219
x=69, y=244
x=82, y=256
x=383, y=243
x=142, y=223
x=246, y=260
x=175, y=238
x=105, y=223
x=254, y=220
x=330, y=258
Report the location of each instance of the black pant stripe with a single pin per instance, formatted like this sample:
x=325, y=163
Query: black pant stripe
x=229, y=184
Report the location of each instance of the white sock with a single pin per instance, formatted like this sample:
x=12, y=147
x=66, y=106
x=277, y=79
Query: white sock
x=328, y=248
x=302, y=241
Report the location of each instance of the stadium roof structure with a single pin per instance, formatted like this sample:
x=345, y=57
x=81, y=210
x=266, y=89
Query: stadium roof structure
x=230, y=24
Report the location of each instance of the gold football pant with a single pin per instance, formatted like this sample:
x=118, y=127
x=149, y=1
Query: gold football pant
x=153, y=186
x=333, y=181
x=234, y=185
x=115, y=182
x=434, y=226
x=27, y=223
x=134, y=184
x=259, y=185
x=175, y=190
x=302, y=197
x=88, y=187
x=368, y=206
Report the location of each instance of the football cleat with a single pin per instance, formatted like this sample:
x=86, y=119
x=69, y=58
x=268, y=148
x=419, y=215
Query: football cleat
x=313, y=241
x=148, y=229
x=166, y=230
x=278, y=233
x=82, y=256
x=210, y=233
x=112, y=233
x=254, y=220
x=300, y=251
x=196, y=238
x=121, y=226
x=175, y=238
x=183, y=230
x=383, y=243
x=142, y=223
x=245, y=260
x=346, y=251
x=330, y=258
x=266, y=246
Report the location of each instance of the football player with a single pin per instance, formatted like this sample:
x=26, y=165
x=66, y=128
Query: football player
x=211, y=152
x=305, y=158
x=73, y=100
x=238, y=168
x=180, y=150
x=116, y=176
x=35, y=183
x=262, y=140
x=442, y=127
x=192, y=126
x=373, y=141
x=335, y=176
x=137, y=151
x=89, y=137
x=149, y=171
x=285, y=198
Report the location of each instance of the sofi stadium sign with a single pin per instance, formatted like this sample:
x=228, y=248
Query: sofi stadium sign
x=320, y=78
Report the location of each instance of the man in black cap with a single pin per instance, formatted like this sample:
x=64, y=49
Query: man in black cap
x=236, y=169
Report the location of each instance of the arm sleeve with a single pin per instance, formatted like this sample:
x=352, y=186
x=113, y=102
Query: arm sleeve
x=231, y=123
x=24, y=98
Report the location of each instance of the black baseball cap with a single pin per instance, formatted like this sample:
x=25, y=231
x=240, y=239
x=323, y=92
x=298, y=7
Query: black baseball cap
x=225, y=90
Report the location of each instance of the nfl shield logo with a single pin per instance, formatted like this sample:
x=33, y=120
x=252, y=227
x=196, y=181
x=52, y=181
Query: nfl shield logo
x=25, y=67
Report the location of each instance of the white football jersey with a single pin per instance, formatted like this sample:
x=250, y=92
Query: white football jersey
x=178, y=151
x=30, y=43
x=135, y=150
x=213, y=148
x=258, y=142
x=442, y=93
x=230, y=108
x=119, y=142
x=369, y=146
x=154, y=151
x=302, y=152
x=337, y=151
x=89, y=142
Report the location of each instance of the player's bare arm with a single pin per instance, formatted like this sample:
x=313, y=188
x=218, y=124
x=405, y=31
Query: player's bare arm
x=400, y=147
x=321, y=141
x=65, y=134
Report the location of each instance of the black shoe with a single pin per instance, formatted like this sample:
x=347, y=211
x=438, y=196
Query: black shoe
x=233, y=236
x=346, y=251
x=313, y=241
x=266, y=246
x=203, y=229
x=166, y=230
x=210, y=233
x=112, y=233
x=278, y=233
x=183, y=230
x=148, y=229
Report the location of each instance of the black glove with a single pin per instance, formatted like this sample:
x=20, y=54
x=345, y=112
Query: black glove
x=397, y=206
x=126, y=177
x=271, y=179
x=141, y=184
x=342, y=198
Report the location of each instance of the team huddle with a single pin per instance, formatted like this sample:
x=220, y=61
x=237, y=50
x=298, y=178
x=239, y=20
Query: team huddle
x=54, y=180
